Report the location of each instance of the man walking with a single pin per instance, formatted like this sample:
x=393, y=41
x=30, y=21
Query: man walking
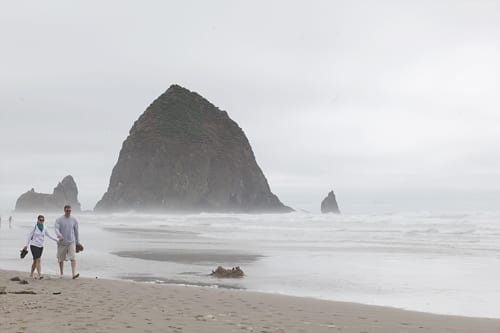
x=67, y=232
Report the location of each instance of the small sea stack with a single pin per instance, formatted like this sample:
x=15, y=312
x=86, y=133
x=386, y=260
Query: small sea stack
x=65, y=193
x=329, y=204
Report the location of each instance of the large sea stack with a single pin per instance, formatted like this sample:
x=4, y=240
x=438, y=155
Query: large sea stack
x=183, y=154
x=65, y=193
x=329, y=204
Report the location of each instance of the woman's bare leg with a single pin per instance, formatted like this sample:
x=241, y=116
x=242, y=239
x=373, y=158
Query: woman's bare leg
x=39, y=267
x=33, y=266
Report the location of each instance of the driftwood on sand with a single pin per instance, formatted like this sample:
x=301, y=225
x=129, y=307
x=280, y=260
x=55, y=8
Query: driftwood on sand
x=23, y=292
x=222, y=272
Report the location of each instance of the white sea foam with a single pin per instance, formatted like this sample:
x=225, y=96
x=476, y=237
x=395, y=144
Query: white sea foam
x=444, y=263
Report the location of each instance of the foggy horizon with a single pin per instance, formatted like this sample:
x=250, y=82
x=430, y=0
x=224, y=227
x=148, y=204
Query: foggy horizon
x=393, y=105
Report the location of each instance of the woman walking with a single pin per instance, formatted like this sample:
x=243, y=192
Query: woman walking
x=36, y=239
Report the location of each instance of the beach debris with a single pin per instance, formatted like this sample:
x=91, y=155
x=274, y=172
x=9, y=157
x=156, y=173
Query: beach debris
x=56, y=293
x=16, y=278
x=23, y=292
x=2, y=290
x=205, y=317
x=23, y=282
x=222, y=272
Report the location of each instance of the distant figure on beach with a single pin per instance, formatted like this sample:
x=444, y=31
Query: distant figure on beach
x=35, y=240
x=10, y=222
x=66, y=228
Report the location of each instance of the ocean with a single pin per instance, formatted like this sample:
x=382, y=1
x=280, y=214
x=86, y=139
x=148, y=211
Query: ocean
x=447, y=263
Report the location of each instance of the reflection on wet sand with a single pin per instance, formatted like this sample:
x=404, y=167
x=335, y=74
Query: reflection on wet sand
x=193, y=257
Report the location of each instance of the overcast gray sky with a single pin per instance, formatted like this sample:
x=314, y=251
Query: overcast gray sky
x=393, y=104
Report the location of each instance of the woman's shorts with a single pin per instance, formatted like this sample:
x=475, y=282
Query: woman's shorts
x=36, y=251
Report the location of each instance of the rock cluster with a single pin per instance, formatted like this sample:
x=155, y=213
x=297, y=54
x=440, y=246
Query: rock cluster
x=65, y=193
x=222, y=272
x=184, y=154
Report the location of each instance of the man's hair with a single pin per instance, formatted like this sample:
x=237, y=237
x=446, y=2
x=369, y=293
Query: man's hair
x=67, y=206
x=40, y=216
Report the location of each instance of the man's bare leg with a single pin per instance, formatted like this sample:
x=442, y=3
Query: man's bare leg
x=73, y=269
x=61, y=268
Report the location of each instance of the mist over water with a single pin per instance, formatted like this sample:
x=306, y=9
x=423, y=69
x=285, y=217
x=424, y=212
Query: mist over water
x=435, y=262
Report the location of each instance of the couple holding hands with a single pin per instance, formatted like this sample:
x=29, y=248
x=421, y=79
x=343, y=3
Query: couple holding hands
x=68, y=242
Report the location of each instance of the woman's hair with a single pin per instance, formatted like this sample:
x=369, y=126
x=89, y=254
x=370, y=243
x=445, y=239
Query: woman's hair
x=40, y=216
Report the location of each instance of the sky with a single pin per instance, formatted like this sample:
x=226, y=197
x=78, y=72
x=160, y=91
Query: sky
x=394, y=105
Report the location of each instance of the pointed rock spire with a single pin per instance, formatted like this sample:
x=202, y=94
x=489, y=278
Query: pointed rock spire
x=329, y=204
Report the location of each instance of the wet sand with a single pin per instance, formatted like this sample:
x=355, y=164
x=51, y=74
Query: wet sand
x=184, y=256
x=97, y=305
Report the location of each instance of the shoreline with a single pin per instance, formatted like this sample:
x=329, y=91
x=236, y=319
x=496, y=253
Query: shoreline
x=101, y=305
x=223, y=286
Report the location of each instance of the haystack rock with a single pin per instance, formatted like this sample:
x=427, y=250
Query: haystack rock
x=329, y=204
x=183, y=154
x=65, y=193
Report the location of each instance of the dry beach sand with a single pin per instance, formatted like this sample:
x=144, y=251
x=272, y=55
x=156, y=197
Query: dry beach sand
x=98, y=305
